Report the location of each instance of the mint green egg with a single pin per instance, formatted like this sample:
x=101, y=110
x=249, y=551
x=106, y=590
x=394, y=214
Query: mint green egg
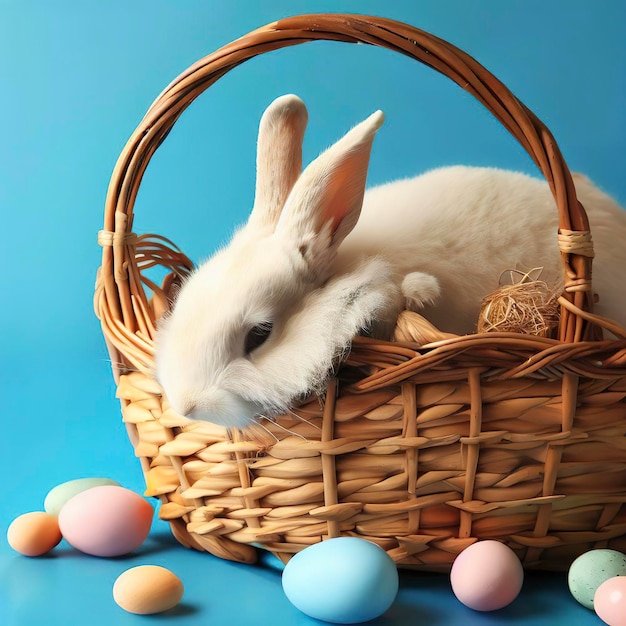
x=59, y=495
x=590, y=570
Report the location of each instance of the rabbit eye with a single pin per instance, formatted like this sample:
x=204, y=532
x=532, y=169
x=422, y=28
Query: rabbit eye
x=257, y=336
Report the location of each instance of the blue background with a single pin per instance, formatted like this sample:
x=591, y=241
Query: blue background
x=75, y=80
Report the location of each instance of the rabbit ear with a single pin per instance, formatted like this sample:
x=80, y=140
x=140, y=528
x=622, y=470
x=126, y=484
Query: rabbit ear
x=279, y=157
x=326, y=200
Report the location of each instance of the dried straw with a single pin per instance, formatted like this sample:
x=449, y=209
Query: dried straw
x=528, y=307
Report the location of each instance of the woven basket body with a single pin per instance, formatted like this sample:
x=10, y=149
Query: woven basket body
x=421, y=448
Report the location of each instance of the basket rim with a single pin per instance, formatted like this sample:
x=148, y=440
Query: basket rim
x=128, y=319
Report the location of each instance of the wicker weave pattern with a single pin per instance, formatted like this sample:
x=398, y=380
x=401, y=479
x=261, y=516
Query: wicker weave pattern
x=426, y=447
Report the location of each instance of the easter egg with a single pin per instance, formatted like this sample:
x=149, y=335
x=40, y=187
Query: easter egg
x=345, y=580
x=106, y=521
x=486, y=576
x=147, y=589
x=590, y=570
x=59, y=495
x=609, y=601
x=34, y=534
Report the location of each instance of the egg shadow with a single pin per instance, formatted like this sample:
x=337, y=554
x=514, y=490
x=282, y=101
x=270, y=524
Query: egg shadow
x=181, y=610
x=400, y=613
x=155, y=543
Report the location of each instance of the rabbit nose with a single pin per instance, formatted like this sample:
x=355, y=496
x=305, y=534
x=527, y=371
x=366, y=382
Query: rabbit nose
x=220, y=406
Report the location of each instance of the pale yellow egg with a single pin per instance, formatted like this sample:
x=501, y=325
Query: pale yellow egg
x=34, y=534
x=147, y=589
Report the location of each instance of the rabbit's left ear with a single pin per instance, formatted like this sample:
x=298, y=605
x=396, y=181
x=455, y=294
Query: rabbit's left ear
x=325, y=203
x=279, y=158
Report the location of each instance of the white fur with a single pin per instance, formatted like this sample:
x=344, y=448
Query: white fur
x=324, y=262
x=466, y=225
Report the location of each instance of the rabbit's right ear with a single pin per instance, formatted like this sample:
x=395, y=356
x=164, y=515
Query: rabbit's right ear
x=325, y=202
x=279, y=158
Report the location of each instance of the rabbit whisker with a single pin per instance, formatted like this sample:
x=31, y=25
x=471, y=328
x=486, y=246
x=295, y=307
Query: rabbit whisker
x=267, y=430
x=284, y=428
x=303, y=419
x=120, y=365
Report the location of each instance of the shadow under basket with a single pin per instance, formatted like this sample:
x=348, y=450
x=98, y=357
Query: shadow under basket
x=423, y=448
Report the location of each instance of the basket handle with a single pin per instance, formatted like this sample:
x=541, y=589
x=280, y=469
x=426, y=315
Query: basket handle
x=574, y=237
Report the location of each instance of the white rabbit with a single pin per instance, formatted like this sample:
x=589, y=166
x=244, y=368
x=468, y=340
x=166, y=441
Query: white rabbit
x=261, y=323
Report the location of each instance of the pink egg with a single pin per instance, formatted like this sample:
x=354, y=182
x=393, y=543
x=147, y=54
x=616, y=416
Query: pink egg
x=487, y=576
x=609, y=601
x=106, y=521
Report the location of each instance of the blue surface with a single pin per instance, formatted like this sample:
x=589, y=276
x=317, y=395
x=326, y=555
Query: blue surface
x=75, y=80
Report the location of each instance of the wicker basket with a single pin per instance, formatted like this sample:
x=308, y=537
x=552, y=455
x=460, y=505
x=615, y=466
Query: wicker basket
x=499, y=435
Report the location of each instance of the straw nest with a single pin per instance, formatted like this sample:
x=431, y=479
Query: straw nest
x=527, y=306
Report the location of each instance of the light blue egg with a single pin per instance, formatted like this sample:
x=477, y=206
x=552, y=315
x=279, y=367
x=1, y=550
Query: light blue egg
x=59, y=495
x=345, y=580
x=590, y=570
